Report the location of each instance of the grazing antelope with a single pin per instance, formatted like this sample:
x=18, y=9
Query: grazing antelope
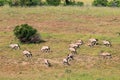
x=78, y=44
x=73, y=50
x=90, y=44
x=27, y=53
x=73, y=46
x=14, y=46
x=45, y=49
x=79, y=41
x=70, y=56
x=47, y=63
x=105, y=55
x=93, y=41
x=107, y=43
x=65, y=61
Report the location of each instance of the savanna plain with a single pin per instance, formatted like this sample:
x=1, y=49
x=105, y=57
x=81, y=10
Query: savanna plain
x=59, y=26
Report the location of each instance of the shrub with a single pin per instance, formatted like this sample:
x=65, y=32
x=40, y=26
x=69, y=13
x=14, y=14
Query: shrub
x=14, y=2
x=114, y=3
x=1, y=2
x=69, y=2
x=100, y=3
x=36, y=2
x=26, y=34
x=53, y=2
x=29, y=2
x=43, y=3
x=80, y=3
x=24, y=2
x=72, y=2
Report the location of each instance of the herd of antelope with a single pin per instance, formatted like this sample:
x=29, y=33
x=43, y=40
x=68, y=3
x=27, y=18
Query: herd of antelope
x=72, y=48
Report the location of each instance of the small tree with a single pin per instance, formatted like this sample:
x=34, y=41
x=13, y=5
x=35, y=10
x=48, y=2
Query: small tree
x=26, y=34
x=100, y=3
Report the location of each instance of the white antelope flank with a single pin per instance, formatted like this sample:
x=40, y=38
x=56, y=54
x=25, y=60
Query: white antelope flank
x=45, y=49
x=27, y=53
x=14, y=46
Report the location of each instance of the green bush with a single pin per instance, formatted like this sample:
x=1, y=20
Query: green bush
x=36, y=2
x=43, y=4
x=24, y=2
x=2, y=3
x=53, y=2
x=70, y=2
x=114, y=3
x=100, y=3
x=73, y=3
x=30, y=2
x=26, y=34
x=14, y=2
x=80, y=3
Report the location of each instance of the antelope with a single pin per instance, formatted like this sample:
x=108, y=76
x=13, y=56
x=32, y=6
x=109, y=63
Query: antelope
x=45, y=49
x=14, y=46
x=47, y=63
x=107, y=43
x=27, y=53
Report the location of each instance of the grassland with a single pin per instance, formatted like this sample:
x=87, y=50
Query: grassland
x=60, y=26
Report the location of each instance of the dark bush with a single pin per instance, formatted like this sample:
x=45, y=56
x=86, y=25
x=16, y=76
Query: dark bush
x=36, y=2
x=30, y=2
x=24, y=2
x=80, y=3
x=100, y=3
x=114, y=3
x=73, y=3
x=14, y=2
x=43, y=4
x=70, y=2
x=26, y=34
x=67, y=2
x=2, y=3
x=53, y=2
